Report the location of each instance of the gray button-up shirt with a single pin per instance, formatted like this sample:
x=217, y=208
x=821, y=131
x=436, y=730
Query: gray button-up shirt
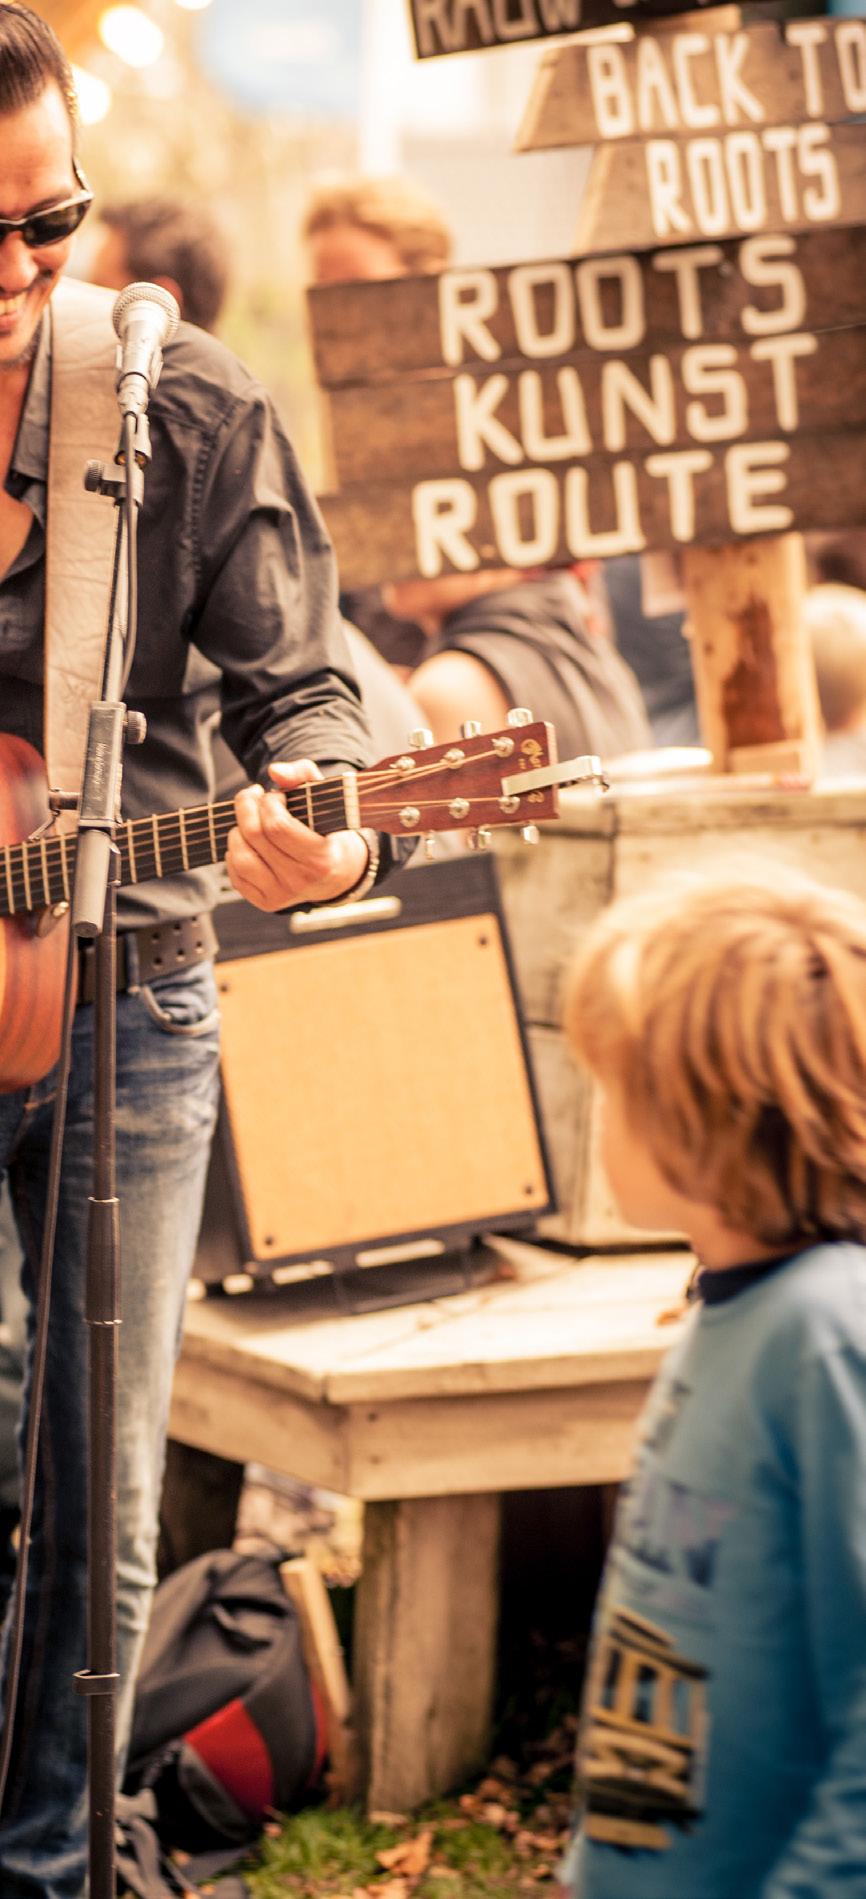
x=237, y=612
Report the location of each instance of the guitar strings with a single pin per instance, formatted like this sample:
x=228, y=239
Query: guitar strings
x=198, y=823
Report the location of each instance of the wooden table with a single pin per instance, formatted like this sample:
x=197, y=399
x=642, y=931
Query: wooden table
x=428, y=1413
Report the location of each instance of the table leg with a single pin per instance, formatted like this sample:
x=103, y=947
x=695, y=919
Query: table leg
x=425, y=1645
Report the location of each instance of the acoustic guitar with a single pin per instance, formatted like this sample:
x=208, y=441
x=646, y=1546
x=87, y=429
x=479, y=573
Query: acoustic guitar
x=441, y=788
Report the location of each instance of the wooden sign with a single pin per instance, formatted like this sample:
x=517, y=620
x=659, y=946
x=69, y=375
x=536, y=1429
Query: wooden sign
x=465, y=26
x=548, y=516
x=670, y=190
x=681, y=84
x=590, y=406
x=718, y=292
x=585, y=409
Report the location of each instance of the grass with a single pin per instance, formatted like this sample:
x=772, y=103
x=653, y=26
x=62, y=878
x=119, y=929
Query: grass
x=500, y=1840
x=334, y=1855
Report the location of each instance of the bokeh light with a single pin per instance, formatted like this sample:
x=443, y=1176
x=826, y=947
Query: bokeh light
x=94, y=96
x=129, y=33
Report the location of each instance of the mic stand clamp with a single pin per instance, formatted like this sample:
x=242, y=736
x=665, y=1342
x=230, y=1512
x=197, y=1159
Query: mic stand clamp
x=131, y=483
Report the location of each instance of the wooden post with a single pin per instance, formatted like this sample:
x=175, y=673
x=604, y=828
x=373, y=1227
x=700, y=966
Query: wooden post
x=754, y=673
x=425, y=1645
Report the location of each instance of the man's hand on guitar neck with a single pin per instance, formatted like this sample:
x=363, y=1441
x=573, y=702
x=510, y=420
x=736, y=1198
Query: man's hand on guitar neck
x=275, y=861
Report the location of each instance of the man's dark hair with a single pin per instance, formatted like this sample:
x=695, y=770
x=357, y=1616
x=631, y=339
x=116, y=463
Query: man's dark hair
x=31, y=58
x=167, y=237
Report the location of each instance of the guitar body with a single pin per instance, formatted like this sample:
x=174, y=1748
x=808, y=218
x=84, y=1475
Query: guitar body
x=31, y=966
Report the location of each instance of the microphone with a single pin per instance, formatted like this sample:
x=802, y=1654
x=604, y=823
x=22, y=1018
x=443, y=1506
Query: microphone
x=144, y=316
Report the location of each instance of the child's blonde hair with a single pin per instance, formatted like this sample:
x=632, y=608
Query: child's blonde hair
x=732, y=1016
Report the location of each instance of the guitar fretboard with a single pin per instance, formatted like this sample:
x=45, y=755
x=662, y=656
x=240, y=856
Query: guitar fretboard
x=39, y=873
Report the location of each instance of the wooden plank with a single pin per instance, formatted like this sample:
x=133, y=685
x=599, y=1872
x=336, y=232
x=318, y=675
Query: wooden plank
x=553, y=1322
x=721, y=292
x=304, y=1585
x=681, y=83
x=660, y=807
x=425, y=1645
x=543, y=516
x=777, y=178
x=232, y=1415
x=523, y=1341
x=588, y=405
x=467, y=26
x=525, y=1440
x=752, y=660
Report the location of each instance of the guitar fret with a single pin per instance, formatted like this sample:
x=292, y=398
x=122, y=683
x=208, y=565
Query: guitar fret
x=10, y=891
x=154, y=825
x=183, y=848
x=25, y=865
x=46, y=886
x=130, y=841
x=63, y=867
x=351, y=801
x=212, y=833
x=308, y=793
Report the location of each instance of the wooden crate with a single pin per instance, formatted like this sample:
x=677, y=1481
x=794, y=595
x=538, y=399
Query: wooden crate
x=602, y=848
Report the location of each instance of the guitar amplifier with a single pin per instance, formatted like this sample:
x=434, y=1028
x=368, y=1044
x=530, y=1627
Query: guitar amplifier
x=378, y=1106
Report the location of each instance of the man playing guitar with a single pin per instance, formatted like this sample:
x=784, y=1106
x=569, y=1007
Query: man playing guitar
x=237, y=610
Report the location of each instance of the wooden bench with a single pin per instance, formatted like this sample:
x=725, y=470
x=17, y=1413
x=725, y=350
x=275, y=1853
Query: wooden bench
x=428, y=1413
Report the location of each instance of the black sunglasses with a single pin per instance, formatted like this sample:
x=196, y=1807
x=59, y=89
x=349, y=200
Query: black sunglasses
x=56, y=222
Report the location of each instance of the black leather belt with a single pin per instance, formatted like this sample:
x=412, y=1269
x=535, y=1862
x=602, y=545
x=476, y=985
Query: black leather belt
x=153, y=951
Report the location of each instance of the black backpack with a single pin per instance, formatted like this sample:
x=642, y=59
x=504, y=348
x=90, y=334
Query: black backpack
x=226, y=1725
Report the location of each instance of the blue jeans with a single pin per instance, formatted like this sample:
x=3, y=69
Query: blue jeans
x=167, y=1090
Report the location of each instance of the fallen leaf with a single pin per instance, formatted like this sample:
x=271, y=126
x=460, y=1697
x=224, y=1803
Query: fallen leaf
x=495, y=1814
x=410, y=1857
x=493, y=1789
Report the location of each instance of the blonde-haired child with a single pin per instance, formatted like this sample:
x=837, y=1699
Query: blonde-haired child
x=723, y=1734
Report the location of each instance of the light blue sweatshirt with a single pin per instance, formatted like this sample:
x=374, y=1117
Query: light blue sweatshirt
x=723, y=1733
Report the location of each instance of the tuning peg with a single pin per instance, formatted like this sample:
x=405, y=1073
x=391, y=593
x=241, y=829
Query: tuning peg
x=471, y=728
x=520, y=715
x=429, y=845
x=420, y=740
x=480, y=839
x=531, y=834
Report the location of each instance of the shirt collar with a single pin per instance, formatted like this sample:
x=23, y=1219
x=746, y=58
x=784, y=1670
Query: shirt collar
x=715, y=1286
x=30, y=455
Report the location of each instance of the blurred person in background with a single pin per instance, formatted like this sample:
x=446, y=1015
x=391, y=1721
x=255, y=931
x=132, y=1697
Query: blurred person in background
x=483, y=642
x=656, y=648
x=374, y=228
x=503, y=637
x=370, y=228
x=839, y=555
x=835, y=620
x=174, y=242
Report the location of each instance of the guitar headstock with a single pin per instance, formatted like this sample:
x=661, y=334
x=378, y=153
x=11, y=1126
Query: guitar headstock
x=459, y=785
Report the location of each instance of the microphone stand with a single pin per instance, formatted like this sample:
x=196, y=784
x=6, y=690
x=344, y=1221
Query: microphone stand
x=93, y=918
